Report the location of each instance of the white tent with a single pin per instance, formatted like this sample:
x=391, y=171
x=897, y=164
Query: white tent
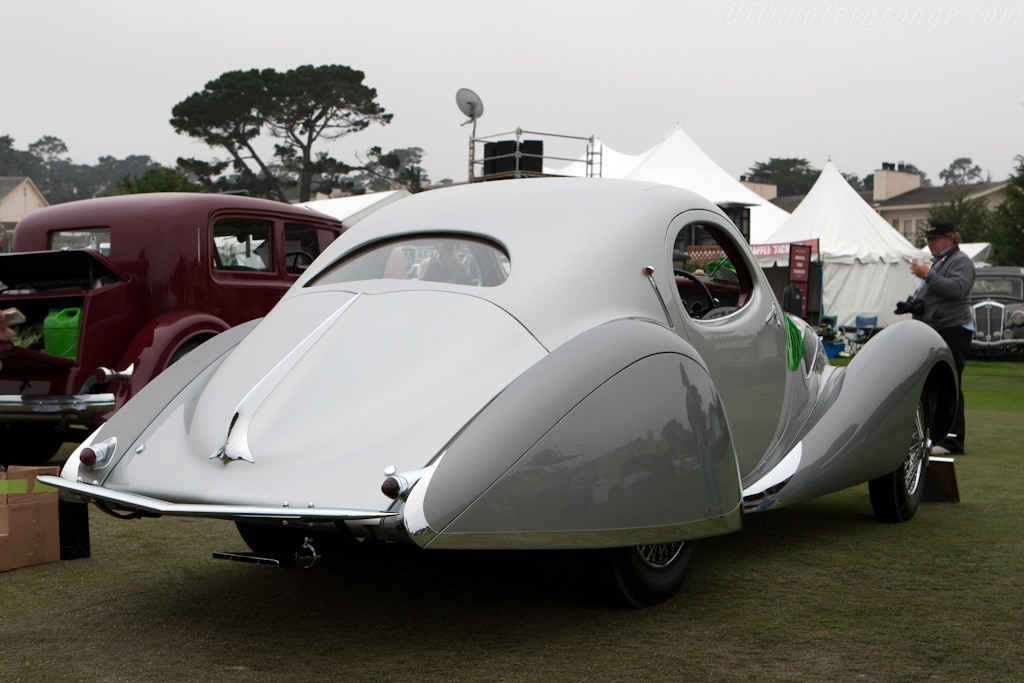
x=678, y=161
x=865, y=261
x=354, y=208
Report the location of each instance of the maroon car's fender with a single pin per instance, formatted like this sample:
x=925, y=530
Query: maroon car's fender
x=153, y=348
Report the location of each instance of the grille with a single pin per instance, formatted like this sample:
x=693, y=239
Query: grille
x=988, y=321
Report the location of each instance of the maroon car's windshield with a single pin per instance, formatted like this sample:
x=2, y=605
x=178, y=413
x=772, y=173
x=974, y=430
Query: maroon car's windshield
x=429, y=258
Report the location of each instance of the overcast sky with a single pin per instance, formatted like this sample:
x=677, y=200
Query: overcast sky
x=856, y=82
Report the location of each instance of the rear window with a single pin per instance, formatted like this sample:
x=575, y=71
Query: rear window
x=429, y=258
x=97, y=239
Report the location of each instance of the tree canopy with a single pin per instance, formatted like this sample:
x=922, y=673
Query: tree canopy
x=303, y=108
x=971, y=217
x=157, y=179
x=791, y=175
x=1007, y=232
x=962, y=171
x=58, y=178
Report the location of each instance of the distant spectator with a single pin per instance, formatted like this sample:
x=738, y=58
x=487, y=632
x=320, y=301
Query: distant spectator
x=942, y=301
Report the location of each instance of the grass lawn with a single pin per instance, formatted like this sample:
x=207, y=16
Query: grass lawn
x=817, y=591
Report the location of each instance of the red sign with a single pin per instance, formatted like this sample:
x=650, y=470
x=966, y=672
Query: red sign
x=799, y=263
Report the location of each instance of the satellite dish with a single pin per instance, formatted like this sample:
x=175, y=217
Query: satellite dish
x=470, y=104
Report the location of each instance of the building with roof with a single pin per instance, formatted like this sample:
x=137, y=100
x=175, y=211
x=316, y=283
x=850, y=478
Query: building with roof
x=901, y=201
x=904, y=204
x=19, y=197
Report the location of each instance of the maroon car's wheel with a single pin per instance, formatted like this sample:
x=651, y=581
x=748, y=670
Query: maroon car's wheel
x=646, y=575
x=896, y=496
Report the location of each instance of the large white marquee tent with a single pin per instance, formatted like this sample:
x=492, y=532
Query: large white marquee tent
x=865, y=263
x=678, y=161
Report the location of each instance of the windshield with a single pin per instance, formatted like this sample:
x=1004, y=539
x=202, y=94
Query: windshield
x=429, y=258
x=998, y=286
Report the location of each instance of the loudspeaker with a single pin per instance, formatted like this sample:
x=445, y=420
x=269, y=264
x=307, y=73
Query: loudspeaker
x=506, y=150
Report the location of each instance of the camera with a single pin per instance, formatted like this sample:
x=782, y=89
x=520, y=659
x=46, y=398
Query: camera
x=903, y=307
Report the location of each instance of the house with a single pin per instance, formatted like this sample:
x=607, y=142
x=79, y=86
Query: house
x=19, y=197
x=901, y=201
x=899, y=198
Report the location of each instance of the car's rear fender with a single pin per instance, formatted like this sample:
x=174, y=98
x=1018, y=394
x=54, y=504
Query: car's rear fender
x=594, y=446
x=155, y=345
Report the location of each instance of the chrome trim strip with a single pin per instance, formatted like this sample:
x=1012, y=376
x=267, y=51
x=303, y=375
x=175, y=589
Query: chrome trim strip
x=236, y=443
x=95, y=493
x=602, y=538
x=73, y=404
x=649, y=273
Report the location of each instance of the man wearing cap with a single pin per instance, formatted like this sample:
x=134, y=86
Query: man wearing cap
x=943, y=301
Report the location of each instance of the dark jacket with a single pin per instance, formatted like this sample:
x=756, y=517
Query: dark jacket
x=943, y=300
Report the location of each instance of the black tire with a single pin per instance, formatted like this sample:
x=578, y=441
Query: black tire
x=29, y=444
x=185, y=349
x=645, y=575
x=896, y=496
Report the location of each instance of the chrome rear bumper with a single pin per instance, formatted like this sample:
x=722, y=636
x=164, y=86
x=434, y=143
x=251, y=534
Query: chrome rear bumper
x=54, y=408
x=92, y=493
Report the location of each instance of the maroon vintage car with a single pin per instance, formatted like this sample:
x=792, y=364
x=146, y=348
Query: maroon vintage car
x=114, y=290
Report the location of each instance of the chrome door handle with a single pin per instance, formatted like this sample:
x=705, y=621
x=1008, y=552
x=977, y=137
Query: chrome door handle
x=774, y=315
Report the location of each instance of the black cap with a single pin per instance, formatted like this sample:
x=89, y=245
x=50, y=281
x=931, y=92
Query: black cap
x=939, y=229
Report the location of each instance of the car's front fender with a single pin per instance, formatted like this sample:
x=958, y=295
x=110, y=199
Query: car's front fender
x=861, y=427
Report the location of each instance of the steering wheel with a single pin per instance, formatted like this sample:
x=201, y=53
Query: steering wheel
x=297, y=261
x=696, y=310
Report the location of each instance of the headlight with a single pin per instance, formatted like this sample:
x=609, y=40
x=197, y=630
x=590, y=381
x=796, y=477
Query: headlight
x=1017, y=317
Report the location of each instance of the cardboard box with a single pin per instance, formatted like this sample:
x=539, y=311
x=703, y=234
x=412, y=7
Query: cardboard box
x=5, y=552
x=29, y=518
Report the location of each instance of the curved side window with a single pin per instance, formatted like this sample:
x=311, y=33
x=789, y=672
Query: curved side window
x=429, y=258
x=712, y=276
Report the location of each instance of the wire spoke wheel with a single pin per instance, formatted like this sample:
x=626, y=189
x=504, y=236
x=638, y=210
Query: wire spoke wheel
x=917, y=459
x=661, y=555
x=645, y=575
x=896, y=496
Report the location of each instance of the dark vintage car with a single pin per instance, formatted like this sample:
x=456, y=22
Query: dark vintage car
x=114, y=290
x=998, y=302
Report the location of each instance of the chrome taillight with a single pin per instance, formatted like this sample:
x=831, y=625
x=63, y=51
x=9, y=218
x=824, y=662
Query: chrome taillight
x=97, y=453
x=397, y=486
